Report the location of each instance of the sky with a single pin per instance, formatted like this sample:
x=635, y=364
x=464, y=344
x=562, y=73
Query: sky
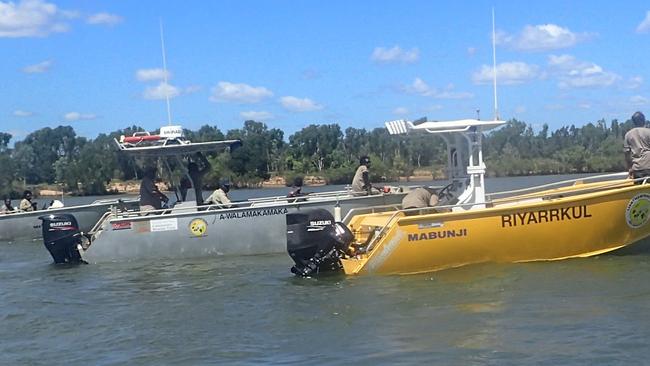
x=98, y=65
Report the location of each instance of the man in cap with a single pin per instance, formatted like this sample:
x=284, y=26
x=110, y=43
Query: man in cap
x=637, y=148
x=361, y=185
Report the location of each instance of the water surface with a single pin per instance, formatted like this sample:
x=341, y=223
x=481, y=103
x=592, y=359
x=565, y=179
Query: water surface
x=250, y=310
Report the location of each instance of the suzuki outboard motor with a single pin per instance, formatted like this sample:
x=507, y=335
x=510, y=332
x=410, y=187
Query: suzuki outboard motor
x=316, y=242
x=62, y=238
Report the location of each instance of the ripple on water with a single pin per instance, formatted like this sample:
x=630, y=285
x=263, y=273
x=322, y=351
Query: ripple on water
x=251, y=310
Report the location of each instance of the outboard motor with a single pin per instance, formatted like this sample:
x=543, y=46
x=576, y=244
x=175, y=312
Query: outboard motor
x=316, y=242
x=62, y=238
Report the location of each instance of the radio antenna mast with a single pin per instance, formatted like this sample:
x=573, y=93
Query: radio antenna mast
x=494, y=68
x=166, y=87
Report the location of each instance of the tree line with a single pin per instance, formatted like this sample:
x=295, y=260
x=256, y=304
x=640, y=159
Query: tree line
x=85, y=166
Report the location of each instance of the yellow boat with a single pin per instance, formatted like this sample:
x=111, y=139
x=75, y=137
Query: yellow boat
x=570, y=219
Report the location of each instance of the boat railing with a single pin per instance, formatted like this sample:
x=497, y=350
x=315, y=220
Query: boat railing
x=450, y=208
x=559, y=183
x=369, y=210
x=284, y=202
x=98, y=225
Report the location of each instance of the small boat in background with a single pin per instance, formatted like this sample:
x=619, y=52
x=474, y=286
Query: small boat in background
x=26, y=225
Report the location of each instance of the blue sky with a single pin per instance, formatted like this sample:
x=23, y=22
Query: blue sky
x=97, y=65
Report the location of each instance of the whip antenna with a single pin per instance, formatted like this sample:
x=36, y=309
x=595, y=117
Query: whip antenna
x=494, y=68
x=162, y=42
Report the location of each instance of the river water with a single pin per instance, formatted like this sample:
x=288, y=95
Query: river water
x=250, y=310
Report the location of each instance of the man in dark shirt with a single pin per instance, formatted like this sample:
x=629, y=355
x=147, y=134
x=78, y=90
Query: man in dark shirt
x=637, y=148
x=150, y=197
x=196, y=175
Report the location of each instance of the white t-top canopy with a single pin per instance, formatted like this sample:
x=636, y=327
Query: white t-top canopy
x=187, y=148
x=402, y=126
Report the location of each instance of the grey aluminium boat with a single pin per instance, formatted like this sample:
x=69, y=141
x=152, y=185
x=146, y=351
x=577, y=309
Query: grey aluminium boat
x=26, y=225
x=256, y=226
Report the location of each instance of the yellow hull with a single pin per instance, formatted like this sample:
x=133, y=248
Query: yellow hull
x=552, y=225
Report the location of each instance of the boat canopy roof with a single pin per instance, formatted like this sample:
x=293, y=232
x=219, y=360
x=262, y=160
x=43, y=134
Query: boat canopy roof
x=401, y=126
x=186, y=148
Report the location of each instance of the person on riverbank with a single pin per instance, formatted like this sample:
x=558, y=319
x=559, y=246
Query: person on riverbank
x=196, y=175
x=637, y=148
x=220, y=195
x=421, y=197
x=26, y=204
x=361, y=185
x=150, y=196
x=6, y=207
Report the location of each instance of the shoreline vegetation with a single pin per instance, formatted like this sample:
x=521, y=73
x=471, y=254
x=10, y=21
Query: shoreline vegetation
x=50, y=161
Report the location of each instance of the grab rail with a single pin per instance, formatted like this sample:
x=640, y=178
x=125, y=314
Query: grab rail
x=375, y=240
x=548, y=185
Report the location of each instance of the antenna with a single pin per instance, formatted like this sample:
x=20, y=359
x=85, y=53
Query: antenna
x=162, y=42
x=494, y=68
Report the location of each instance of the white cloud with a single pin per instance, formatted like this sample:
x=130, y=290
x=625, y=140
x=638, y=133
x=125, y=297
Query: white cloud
x=508, y=73
x=38, y=68
x=32, y=18
x=239, y=93
x=634, y=82
x=644, y=26
x=256, y=115
x=420, y=87
x=400, y=111
x=395, y=54
x=161, y=91
x=471, y=51
x=76, y=116
x=21, y=113
x=542, y=37
x=573, y=73
x=104, y=19
x=299, y=104
x=520, y=109
x=638, y=100
x=192, y=89
x=151, y=74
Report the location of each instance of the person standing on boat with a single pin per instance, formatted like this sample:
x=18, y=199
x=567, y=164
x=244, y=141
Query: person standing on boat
x=637, y=148
x=361, y=182
x=220, y=195
x=421, y=197
x=6, y=207
x=196, y=175
x=150, y=196
x=26, y=204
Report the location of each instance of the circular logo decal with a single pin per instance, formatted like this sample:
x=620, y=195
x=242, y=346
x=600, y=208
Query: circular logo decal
x=638, y=210
x=198, y=227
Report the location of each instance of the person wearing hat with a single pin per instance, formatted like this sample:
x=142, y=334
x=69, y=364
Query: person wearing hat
x=220, y=195
x=420, y=197
x=361, y=182
x=637, y=148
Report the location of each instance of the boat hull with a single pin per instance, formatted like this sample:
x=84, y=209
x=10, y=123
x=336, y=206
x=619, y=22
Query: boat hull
x=259, y=229
x=550, y=229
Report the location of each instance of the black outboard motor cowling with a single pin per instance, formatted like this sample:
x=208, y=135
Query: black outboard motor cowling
x=61, y=237
x=315, y=242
